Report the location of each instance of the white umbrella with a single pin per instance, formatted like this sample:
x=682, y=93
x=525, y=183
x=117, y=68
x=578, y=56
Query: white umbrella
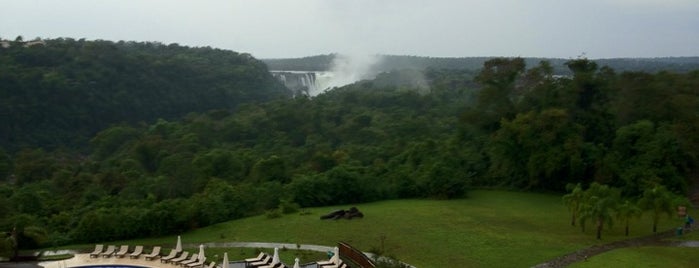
x=336, y=255
x=275, y=258
x=225, y=260
x=201, y=252
x=178, y=247
x=296, y=263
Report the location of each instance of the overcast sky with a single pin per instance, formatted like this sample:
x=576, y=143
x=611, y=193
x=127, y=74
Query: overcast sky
x=438, y=28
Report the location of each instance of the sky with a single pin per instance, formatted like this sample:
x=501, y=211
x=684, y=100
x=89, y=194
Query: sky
x=435, y=28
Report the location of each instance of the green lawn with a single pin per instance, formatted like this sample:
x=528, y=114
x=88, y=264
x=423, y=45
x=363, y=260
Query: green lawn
x=644, y=257
x=488, y=229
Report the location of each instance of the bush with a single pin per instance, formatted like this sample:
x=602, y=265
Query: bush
x=273, y=213
x=288, y=207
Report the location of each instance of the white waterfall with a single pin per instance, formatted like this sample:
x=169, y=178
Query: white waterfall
x=307, y=83
x=311, y=78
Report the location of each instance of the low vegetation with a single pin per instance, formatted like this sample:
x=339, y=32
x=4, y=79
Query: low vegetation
x=481, y=231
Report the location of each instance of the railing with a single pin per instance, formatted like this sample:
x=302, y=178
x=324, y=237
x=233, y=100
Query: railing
x=355, y=255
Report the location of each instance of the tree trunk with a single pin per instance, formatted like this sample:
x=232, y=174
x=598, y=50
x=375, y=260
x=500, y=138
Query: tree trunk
x=599, y=229
x=626, y=230
x=15, y=244
x=572, y=221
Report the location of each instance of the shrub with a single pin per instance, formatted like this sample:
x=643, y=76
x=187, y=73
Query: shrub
x=273, y=214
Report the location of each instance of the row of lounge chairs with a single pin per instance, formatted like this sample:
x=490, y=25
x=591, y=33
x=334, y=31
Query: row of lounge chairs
x=111, y=250
x=264, y=260
x=184, y=259
x=174, y=257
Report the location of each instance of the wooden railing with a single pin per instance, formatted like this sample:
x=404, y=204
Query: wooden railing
x=356, y=256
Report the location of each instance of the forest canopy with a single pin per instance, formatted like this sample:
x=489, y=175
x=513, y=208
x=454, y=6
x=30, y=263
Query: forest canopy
x=61, y=92
x=507, y=125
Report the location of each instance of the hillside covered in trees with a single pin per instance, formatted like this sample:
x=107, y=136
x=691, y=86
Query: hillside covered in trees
x=60, y=92
x=387, y=63
x=504, y=126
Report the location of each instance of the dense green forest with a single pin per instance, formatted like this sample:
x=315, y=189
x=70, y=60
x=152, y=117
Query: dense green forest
x=387, y=63
x=61, y=92
x=506, y=125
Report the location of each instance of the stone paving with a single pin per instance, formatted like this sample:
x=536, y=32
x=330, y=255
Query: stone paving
x=86, y=260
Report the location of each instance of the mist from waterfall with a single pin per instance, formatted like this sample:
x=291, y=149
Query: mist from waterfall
x=345, y=69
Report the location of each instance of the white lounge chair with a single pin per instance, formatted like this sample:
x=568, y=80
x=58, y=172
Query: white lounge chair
x=211, y=265
x=265, y=261
x=153, y=254
x=122, y=251
x=172, y=255
x=191, y=259
x=109, y=251
x=97, y=251
x=180, y=258
x=256, y=259
x=339, y=265
x=276, y=265
x=136, y=252
x=196, y=263
x=333, y=261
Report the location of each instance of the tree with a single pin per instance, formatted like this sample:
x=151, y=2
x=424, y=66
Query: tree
x=658, y=200
x=537, y=149
x=592, y=94
x=494, y=102
x=626, y=211
x=573, y=200
x=599, y=206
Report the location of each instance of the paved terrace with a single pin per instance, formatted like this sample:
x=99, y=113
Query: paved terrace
x=85, y=260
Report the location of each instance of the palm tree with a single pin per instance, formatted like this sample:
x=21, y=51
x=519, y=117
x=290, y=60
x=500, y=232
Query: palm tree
x=573, y=200
x=626, y=211
x=659, y=200
x=599, y=205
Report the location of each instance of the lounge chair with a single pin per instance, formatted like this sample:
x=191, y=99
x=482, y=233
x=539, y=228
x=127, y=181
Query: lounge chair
x=136, y=252
x=153, y=254
x=198, y=263
x=256, y=259
x=211, y=265
x=329, y=263
x=172, y=255
x=122, y=251
x=276, y=265
x=109, y=251
x=98, y=250
x=339, y=265
x=265, y=261
x=191, y=259
x=180, y=258
x=333, y=261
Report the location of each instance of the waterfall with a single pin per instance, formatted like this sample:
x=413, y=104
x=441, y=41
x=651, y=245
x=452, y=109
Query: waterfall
x=307, y=83
x=311, y=78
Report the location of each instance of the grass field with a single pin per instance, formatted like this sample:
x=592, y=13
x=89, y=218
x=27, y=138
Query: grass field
x=487, y=229
x=644, y=257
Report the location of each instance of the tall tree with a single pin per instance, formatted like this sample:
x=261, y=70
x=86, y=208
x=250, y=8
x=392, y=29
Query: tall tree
x=573, y=200
x=599, y=206
x=590, y=87
x=627, y=211
x=494, y=101
x=659, y=201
